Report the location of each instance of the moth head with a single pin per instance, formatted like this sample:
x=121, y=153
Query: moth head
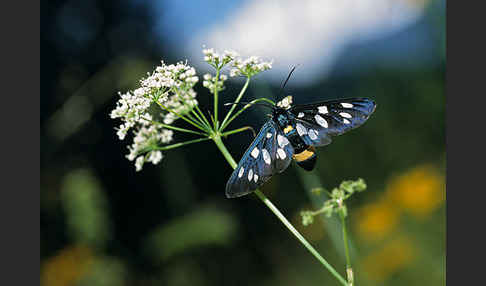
x=285, y=103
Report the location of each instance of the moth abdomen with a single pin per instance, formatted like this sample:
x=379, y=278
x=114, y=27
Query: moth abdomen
x=306, y=159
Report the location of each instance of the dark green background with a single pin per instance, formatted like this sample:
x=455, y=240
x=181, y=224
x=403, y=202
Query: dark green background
x=104, y=224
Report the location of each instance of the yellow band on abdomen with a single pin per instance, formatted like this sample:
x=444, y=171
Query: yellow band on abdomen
x=304, y=155
x=288, y=129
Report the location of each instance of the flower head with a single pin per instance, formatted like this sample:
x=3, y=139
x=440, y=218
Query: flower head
x=249, y=66
x=218, y=60
x=286, y=102
x=213, y=83
x=170, y=87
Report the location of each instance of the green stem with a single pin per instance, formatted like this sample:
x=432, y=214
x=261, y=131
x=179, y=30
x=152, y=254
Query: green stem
x=212, y=118
x=175, y=128
x=216, y=100
x=181, y=117
x=203, y=116
x=180, y=144
x=199, y=119
x=238, y=98
x=349, y=269
x=245, y=108
x=237, y=131
x=311, y=180
x=219, y=143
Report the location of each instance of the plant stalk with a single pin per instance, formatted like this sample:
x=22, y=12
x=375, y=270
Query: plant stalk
x=238, y=98
x=180, y=144
x=349, y=269
x=216, y=100
x=219, y=143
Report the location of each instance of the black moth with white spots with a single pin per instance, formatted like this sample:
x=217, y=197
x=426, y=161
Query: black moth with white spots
x=292, y=133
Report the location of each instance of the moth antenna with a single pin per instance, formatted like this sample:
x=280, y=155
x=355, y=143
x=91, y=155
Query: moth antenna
x=286, y=80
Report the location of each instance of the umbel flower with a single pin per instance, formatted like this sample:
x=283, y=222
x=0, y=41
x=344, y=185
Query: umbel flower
x=166, y=95
x=170, y=87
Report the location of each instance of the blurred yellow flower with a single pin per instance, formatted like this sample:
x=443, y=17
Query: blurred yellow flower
x=393, y=257
x=67, y=267
x=376, y=220
x=419, y=191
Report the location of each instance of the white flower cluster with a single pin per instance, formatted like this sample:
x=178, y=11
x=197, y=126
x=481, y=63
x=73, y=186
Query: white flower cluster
x=213, y=84
x=215, y=59
x=166, y=77
x=132, y=109
x=249, y=67
x=146, y=137
x=171, y=87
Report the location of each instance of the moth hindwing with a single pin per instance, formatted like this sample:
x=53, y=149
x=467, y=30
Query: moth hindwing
x=268, y=154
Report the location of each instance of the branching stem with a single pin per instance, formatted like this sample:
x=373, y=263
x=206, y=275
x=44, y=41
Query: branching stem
x=349, y=269
x=219, y=143
x=238, y=98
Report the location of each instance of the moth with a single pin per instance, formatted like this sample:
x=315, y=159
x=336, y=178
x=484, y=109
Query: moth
x=292, y=133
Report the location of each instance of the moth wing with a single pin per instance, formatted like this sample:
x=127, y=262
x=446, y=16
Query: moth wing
x=312, y=134
x=259, y=162
x=334, y=117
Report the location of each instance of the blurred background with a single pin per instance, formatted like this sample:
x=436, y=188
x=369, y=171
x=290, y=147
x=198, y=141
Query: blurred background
x=102, y=223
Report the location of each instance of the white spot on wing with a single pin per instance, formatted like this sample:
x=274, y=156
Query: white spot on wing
x=281, y=153
x=321, y=121
x=301, y=129
x=240, y=173
x=346, y=121
x=282, y=141
x=255, y=178
x=344, y=114
x=255, y=152
x=322, y=109
x=269, y=135
x=346, y=105
x=300, y=115
x=250, y=175
x=266, y=156
x=313, y=134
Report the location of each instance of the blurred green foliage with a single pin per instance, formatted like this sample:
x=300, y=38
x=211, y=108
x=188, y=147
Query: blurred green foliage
x=104, y=224
x=86, y=209
x=207, y=226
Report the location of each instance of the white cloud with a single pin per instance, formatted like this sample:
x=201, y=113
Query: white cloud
x=308, y=32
